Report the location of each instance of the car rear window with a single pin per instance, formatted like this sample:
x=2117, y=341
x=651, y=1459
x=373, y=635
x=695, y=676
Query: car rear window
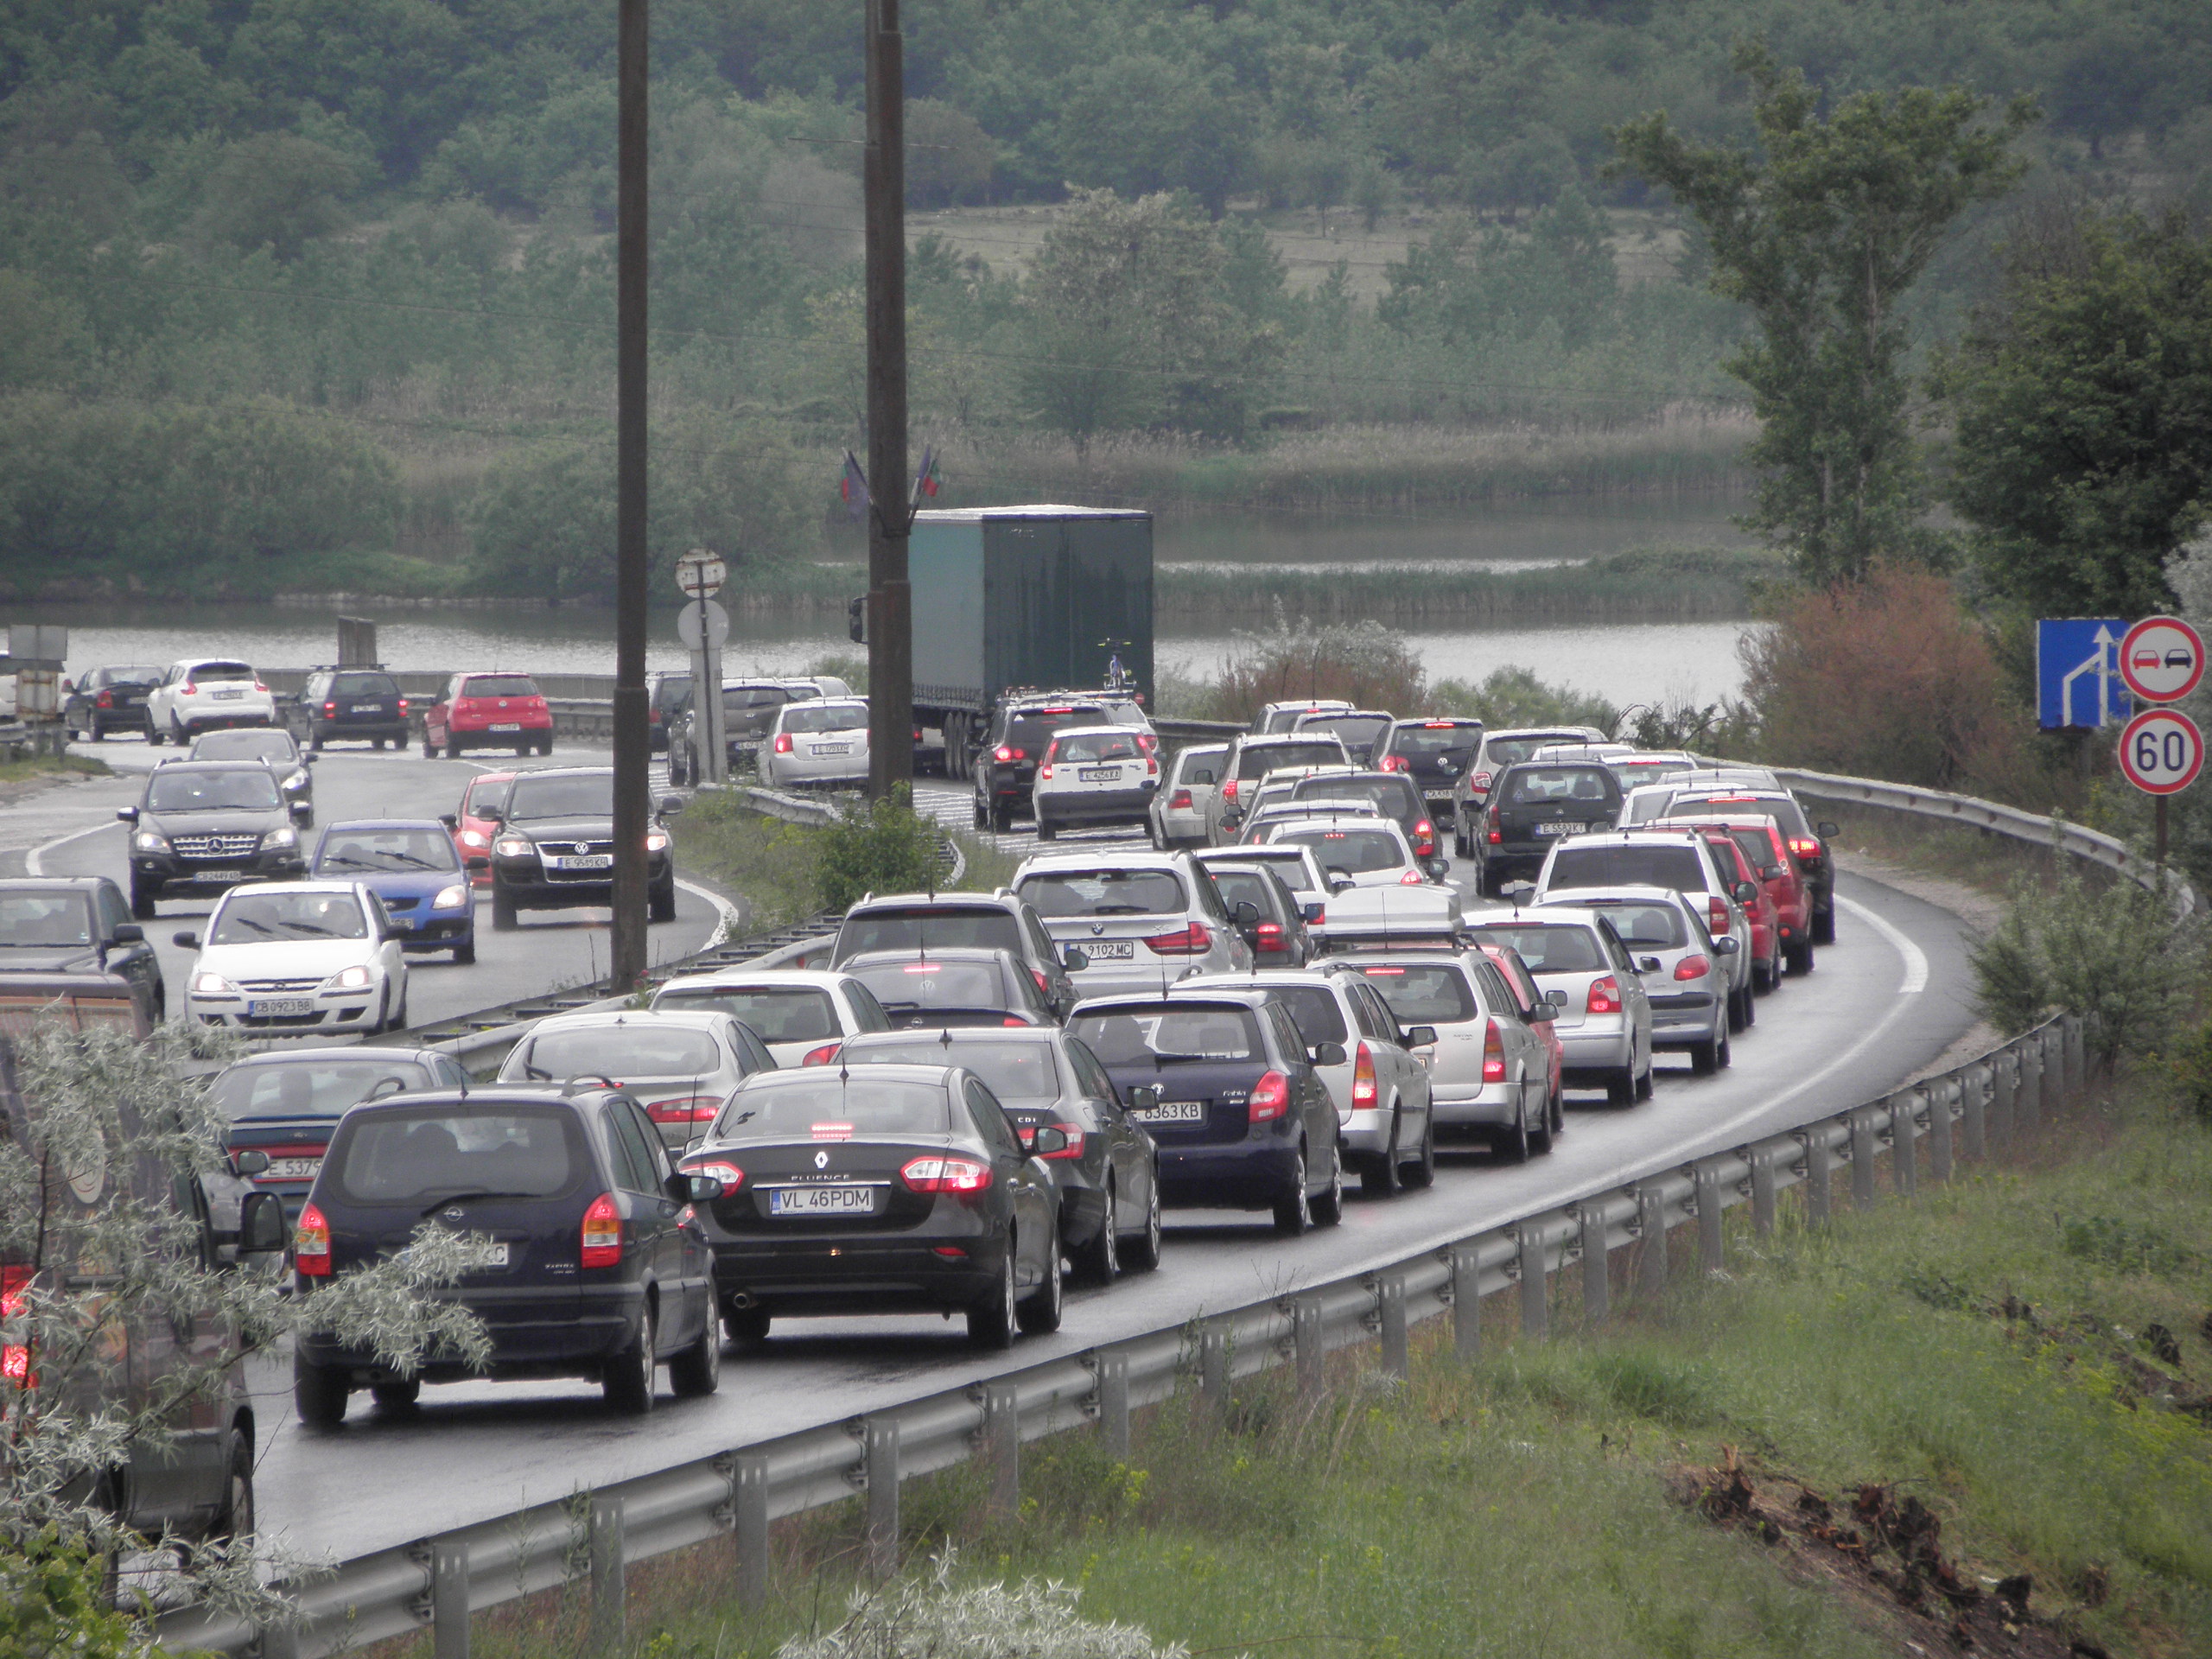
x=1103, y=893
x=43, y=920
x=1656, y=866
x=1032, y=729
x=827, y=717
x=1421, y=994
x=1502, y=752
x=220, y=671
x=1290, y=867
x=920, y=930
x=1172, y=1036
x=1258, y=761
x=134, y=676
x=778, y=1013
x=1551, y=947
x=1356, y=852
x=416, y=1157
x=1243, y=886
x=499, y=685
x=365, y=686
x=744, y=699
x=1648, y=926
x=1757, y=848
x=620, y=1052
x=248, y=789
x=1314, y=1010
x=1356, y=731
x=1781, y=808
x=1393, y=797
x=485, y=796
x=833, y=1107
x=250, y=918
x=903, y=987
x=245, y=744
x=318, y=1087
x=590, y=795
x=385, y=852
x=1440, y=738
x=1013, y=1072
x=1097, y=746
x=1541, y=786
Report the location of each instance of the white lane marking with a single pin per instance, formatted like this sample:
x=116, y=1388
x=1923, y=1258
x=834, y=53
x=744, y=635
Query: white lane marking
x=1916, y=962
x=726, y=911
x=31, y=860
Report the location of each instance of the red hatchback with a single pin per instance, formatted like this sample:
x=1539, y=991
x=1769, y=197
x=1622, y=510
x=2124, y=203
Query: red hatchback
x=491, y=710
x=1524, y=985
x=1766, y=849
x=1764, y=914
x=473, y=828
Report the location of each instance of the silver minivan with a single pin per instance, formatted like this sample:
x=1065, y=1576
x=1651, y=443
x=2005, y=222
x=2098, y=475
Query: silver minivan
x=1605, y=1015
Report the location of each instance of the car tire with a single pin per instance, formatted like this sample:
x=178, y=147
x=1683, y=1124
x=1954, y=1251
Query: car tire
x=464, y=953
x=398, y=1022
x=234, y=1521
x=319, y=1393
x=504, y=918
x=1798, y=958
x=546, y=745
x=1644, y=1084
x=452, y=747
x=1727, y=1053
x=1824, y=926
x=153, y=737
x=1142, y=1254
x=697, y=1371
x=1620, y=1086
x=1326, y=1207
x=97, y=733
x=626, y=1382
x=1378, y=1171
x=746, y=1326
x=182, y=739
x=1750, y=1008
x=1002, y=819
x=1039, y=1312
x=1046, y=831
x=1292, y=1218
x=1555, y=1109
x=429, y=748
x=991, y=1322
x=1737, y=1020
x=1705, y=1057
x=660, y=904
x=982, y=813
x=524, y=748
x=142, y=901
x=1098, y=1263
x=1420, y=1173
x=1512, y=1145
x=1540, y=1138
x=397, y=1396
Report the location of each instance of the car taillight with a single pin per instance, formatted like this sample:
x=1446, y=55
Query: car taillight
x=1605, y=995
x=963, y=1176
x=1270, y=935
x=1045, y=771
x=1229, y=791
x=602, y=1233
x=1493, y=1054
x=1496, y=834
x=684, y=1108
x=1192, y=941
x=1481, y=781
x=1412, y=879
x=15, y=1356
x=783, y=742
x=1014, y=1021
x=311, y=1243
x=1044, y=985
x=329, y=707
x=1397, y=763
x=1804, y=848
x=259, y=687
x=1269, y=1099
x=1147, y=741
x=1363, y=1079
x=728, y=1173
x=1179, y=800
x=1004, y=755
x=822, y=1055
x=190, y=690
x=1425, y=839
x=1716, y=914
x=1692, y=968
x=106, y=700
x=1151, y=767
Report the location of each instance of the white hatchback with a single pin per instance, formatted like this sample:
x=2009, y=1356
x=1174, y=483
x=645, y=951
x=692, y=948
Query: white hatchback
x=203, y=693
x=1094, y=777
x=801, y=1015
x=1369, y=848
x=306, y=957
x=821, y=740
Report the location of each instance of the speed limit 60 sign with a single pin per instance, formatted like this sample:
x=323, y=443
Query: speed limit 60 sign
x=2161, y=752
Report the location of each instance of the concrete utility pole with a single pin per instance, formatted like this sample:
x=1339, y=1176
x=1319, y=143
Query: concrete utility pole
x=627, y=953
x=890, y=602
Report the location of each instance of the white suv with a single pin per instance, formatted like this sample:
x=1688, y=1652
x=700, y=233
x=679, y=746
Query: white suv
x=201, y=693
x=1659, y=858
x=1140, y=920
x=1094, y=777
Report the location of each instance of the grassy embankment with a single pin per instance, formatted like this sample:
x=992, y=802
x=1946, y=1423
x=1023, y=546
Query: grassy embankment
x=2018, y=1357
x=44, y=766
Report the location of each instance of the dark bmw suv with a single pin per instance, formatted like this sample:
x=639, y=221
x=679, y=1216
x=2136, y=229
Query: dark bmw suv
x=598, y=1267
x=204, y=826
x=555, y=846
x=350, y=705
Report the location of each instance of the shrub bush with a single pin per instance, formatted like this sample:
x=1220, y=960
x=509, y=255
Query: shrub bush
x=884, y=847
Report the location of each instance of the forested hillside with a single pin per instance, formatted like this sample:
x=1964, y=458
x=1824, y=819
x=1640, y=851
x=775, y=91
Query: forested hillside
x=287, y=285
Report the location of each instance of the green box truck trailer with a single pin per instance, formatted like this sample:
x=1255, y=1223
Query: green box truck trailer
x=1007, y=598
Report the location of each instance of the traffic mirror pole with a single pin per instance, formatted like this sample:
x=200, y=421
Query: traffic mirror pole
x=890, y=607
x=626, y=952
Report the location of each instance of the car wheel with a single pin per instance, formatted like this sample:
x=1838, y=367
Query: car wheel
x=1292, y=1218
x=1421, y=1172
x=178, y=735
x=1824, y=926
x=1142, y=1254
x=626, y=1380
x=1098, y=1263
x=1327, y=1207
x=234, y=1521
x=97, y=733
x=398, y=1022
x=319, y=1393
x=142, y=901
x=1798, y=958
x=991, y=1321
x=660, y=904
x=1046, y=831
x=1039, y=1312
x=397, y=1396
x=1002, y=819
x=153, y=737
x=982, y=813
x=452, y=747
x=697, y=1371
x=1750, y=1008
x=1556, y=1109
x=1736, y=1000
x=1705, y=1057
x=1512, y=1145
x=1378, y=1173
x=546, y=744
x=1644, y=1084
x=1727, y=1053
x=1620, y=1086
x=747, y=1324
x=503, y=908
x=429, y=748
x=465, y=953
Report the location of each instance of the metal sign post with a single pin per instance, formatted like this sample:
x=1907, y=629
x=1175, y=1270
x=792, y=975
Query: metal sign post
x=705, y=627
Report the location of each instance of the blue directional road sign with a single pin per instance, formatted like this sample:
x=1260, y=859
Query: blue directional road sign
x=2077, y=671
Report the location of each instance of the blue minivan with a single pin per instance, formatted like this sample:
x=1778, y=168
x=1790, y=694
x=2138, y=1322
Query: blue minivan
x=413, y=865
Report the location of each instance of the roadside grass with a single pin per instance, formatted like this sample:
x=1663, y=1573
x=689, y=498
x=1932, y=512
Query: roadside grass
x=2021, y=1351
x=1988, y=862
x=54, y=765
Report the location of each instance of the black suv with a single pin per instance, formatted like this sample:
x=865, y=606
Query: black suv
x=1532, y=806
x=349, y=705
x=1005, y=767
x=749, y=708
x=203, y=826
x=76, y=925
x=110, y=699
x=1435, y=754
x=915, y=922
x=665, y=694
x=555, y=846
x=598, y=1267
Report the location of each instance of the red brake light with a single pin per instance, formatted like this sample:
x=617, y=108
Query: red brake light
x=311, y=1243
x=1270, y=934
x=106, y=700
x=1192, y=941
x=822, y=1055
x=1804, y=847
x=1229, y=791
x=1480, y=780
x=1363, y=1079
x=1436, y=726
x=922, y=968
x=962, y=1176
x=15, y=1356
x=783, y=742
x=1716, y=914
x=684, y=1108
x=403, y=705
x=1425, y=839
x=1493, y=1054
x=1044, y=985
x=329, y=707
x=259, y=687
x=190, y=690
x=1269, y=1099
x=602, y=1233
x=1179, y=799
x=1605, y=995
x=728, y=1173
x=1147, y=741
x=1003, y=754
x=1412, y=879
x=1692, y=967
x=1045, y=771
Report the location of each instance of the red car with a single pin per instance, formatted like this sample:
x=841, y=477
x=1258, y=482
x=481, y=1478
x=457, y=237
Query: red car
x=1524, y=985
x=1766, y=849
x=488, y=710
x=1762, y=912
x=472, y=831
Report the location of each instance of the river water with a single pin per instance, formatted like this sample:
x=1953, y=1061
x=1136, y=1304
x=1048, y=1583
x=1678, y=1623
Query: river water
x=1625, y=663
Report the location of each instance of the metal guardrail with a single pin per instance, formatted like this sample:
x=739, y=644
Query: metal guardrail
x=21, y=739
x=1925, y=1132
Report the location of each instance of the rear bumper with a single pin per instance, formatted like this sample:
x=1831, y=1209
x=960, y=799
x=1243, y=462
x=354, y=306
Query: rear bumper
x=219, y=720
x=1463, y=1105
x=536, y=1331
x=1243, y=1175
x=1679, y=1021
x=898, y=1273
x=1102, y=806
x=1597, y=1051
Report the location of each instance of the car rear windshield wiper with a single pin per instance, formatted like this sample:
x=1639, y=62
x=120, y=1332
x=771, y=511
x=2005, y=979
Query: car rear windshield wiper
x=1119, y=909
x=463, y=1197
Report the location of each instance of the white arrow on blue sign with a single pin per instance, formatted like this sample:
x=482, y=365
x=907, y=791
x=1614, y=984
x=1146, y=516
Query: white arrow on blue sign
x=2077, y=672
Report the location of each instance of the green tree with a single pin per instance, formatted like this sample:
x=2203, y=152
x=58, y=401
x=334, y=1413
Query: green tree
x=1139, y=124
x=1822, y=237
x=276, y=190
x=2084, y=414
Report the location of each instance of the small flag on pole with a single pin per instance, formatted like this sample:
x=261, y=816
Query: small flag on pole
x=853, y=487
x=925, y=480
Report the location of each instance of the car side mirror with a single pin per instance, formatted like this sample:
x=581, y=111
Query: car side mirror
x=477, y=862
x=1556, y=998
x=128, y=814
x=1328, y=1053
x=1143, y=1096
x=694, y=1189
x=310, y=758
x=1313, y=910
x=1647, y=964
x=1419, y=1037
x=1046, y=1142
x=1438, y=868
x=1745, y=893
x=1824, y=829
x=302, y=811
x=1518, y=893
x=1544, y=1013
x=251, y=1162
x=261, y=1223
x=129, y=933
x=670, y=805
x=1770, y=872
x=185, y=941
x=1075, y=958
x=1246, y=914
x=1727, y=945
x=451, y=820
x=1338, y=880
